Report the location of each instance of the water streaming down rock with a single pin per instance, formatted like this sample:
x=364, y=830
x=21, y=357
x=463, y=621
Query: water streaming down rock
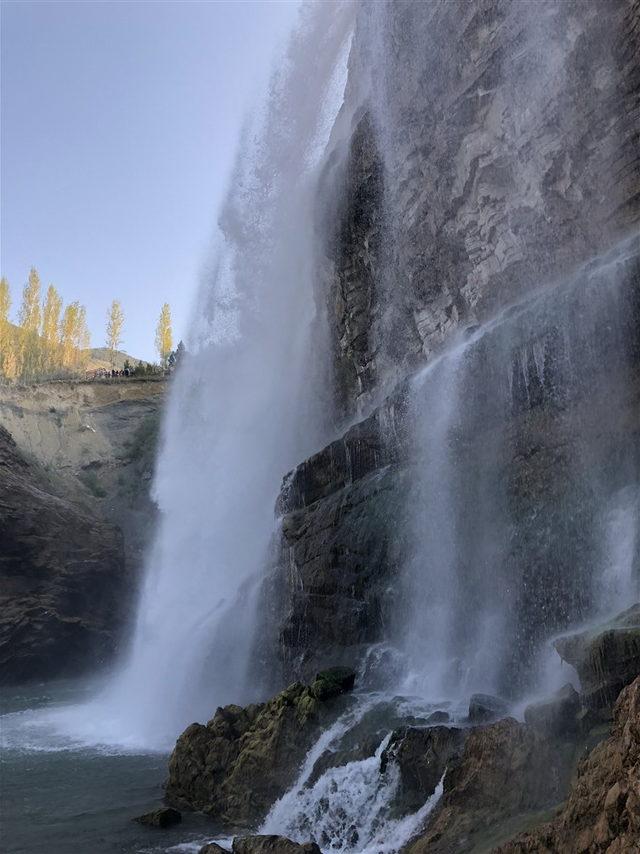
x=525, y=510
x=349, y=808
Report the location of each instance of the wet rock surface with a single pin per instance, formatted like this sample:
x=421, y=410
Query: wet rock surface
x=557, y=717
x=602, y=811
x=329, y=593
x=422, y=755
x=485, y=707
x=272, y=845
x=63, y=577
x=504, y=770
x=244, y=759
x=447, y=207
x=607, y=657
x=163, y=817
x=483, y=197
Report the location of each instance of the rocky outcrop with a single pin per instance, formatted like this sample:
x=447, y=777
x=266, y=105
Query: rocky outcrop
x=244, y=759
x=262, y=845
x=557, y=717
x=271, y=845
x=422, y=756
x=64, y=584
x=485, y=707
x=163, y=817
x=607, y=657
x=602, y=812
x=505, y=770
x=330, y=592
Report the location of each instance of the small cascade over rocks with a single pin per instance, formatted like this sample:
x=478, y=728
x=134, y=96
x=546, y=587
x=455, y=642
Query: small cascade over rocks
x=349, y=809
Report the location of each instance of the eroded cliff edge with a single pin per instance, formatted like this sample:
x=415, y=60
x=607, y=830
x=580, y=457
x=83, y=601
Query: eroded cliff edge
x=76, y=461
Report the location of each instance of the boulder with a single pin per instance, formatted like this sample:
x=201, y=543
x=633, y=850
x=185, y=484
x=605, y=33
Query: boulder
x=272, y=845
x=438, y=717
x=607, y=657
x=332, y=683
x=486, y=707
x=237, y=765
x=558, y=717
x=163, y=817
x=422, y=755
x=213, y=848
x=602, y=812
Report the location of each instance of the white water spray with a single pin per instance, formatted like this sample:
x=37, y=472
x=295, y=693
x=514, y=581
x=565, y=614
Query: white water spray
x=241, y=413
x=348, y=809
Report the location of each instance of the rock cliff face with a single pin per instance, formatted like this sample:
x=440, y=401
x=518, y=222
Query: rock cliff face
x=495, y=127
x=98, y=441
x=493, y=153
x=64, y=581
x=75, y=513
x=602, y=812
x=479, y=212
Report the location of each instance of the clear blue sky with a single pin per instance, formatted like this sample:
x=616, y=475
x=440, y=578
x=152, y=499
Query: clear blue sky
x=119, y=126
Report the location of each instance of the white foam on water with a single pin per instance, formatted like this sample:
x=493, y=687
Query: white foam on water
x=348, y=809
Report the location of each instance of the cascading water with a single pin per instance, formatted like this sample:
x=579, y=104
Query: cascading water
x=501, y=562
x=244, y=408
x=238, y=417
x=525, y=508
x=523, y=504
x=349, y=809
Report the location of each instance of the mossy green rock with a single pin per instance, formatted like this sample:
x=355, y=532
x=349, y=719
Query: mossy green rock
x=244, y=759
x=332, y=683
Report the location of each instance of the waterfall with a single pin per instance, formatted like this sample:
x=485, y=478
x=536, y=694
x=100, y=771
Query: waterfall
x=243, y=409
x=524, y=513
x=517, y=404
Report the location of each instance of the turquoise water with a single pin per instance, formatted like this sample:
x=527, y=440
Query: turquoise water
x=59, y=797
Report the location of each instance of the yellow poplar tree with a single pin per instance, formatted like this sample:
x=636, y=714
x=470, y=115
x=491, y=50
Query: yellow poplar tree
x=30, y=314
x=82, y=339
x=164, y=334
x=51, y=329
x=69, y=335
x=115, y=322
x=6, y=338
